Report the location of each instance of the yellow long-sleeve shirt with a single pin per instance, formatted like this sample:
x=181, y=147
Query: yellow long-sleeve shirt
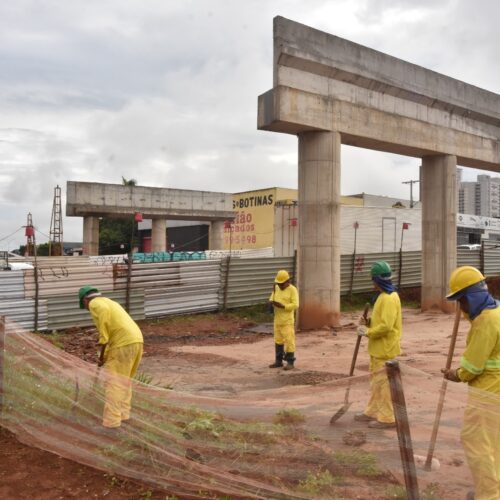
x=384, y=333
x=289, y=297
x=116, y=328
x=480, y=363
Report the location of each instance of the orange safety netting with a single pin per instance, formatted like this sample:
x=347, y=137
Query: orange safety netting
x=256, y=447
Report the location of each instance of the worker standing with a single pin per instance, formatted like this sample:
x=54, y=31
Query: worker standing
x=121, y=344
x=383, y=331
x=480, y=369
x=285, y=301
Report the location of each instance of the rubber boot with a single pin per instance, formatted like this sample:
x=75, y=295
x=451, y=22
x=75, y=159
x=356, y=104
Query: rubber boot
x=289, y=358
x=280, y=351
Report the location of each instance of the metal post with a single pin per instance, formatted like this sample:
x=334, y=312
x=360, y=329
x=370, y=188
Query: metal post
x=129, y=279
x=481, y=258
x=226, y=281
x=351, y=285
x=403, y=429
x=2, y=359
x=294, y=266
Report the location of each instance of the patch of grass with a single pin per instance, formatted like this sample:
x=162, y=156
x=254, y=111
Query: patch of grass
x=320, y=482
x=54, y=337
x=396, y=491
x=257, y=313
x=289, y=417
x=361, y=462
x=355, y=302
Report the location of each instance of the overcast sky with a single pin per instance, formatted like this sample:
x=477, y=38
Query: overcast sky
x=165, y=92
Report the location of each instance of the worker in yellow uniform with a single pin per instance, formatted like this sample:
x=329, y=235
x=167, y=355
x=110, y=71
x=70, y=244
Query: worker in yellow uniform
x=121, y=352
x=383, y=331
x=285, y=301
x=480, y=369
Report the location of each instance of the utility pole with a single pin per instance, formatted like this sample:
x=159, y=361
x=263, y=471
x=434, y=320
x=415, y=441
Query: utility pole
x=56, y=232
x=411, y=189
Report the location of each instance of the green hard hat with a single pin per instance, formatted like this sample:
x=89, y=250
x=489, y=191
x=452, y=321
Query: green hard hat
x=84, y=291
x=381, y=268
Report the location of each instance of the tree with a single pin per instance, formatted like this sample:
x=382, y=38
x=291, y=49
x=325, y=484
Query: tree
x=117, y=235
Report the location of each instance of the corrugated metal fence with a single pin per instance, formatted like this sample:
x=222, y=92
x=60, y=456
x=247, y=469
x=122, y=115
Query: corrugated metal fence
x=48, y=299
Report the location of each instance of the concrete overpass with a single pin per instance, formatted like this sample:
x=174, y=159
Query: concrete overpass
x=92, y=200
x=330, y=91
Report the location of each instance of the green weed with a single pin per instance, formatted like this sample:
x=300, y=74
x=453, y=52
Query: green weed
x=396, y=491
x=361, y=462
x=319, y=483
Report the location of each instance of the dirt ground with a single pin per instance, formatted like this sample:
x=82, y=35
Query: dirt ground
x=220, y=356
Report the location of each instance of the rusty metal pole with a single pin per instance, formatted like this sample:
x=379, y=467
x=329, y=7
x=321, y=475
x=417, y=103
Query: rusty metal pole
x=2, y=359
x=403, y=429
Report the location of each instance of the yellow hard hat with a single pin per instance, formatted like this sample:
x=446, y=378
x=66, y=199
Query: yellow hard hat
x=282, y=276
x=462, y=278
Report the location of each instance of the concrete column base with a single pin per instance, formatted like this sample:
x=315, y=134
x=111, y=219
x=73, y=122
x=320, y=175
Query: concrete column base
x=91, y=236
x=319, y=229
x=159, y=235
x=439, y=229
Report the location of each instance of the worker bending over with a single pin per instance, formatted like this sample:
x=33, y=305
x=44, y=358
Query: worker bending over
x=121, y=352
x=383, y=330
x=285, y=301
x=480, y=369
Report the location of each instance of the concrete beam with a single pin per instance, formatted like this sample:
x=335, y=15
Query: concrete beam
x=319, y=229
x=96, y=199
x=439, y=229
x=293, y=111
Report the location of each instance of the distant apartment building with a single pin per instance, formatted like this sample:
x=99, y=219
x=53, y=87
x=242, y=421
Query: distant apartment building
x=479, y=198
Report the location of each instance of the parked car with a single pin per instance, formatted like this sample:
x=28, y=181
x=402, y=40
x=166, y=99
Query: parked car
x=471, y=246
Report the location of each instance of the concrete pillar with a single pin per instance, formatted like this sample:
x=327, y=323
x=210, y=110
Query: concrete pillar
x=439, y=229
x=91, y=236
x=319, y=229
x=216, y=235
x=159, y=235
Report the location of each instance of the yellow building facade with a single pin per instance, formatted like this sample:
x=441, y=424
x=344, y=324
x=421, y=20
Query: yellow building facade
x=254, y=224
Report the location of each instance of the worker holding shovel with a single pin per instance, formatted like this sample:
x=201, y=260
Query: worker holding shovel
x=480, y=369
x=383, y=331
x=121, y=352
x=285, y=301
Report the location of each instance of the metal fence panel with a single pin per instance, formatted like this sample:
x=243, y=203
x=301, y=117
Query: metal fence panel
x=491, y=261
x=178, y=287
x=11, y=285
x=467, y=257
x=64, y=310
x=249, y=281
x=22, y=311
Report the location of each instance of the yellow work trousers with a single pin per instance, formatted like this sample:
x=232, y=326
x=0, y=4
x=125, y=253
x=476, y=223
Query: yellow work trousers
x=121, y=366
x=285, y=335
x=380, y=404
x=481, y=441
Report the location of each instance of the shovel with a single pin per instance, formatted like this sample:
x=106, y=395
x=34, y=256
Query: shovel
x=343, y=409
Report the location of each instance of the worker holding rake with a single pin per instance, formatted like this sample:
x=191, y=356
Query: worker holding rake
x=285, y=301
x=121, y=352
x=480, y=369
x=383, y=331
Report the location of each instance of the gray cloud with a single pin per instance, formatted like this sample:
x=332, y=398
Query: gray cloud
x=166, y=92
